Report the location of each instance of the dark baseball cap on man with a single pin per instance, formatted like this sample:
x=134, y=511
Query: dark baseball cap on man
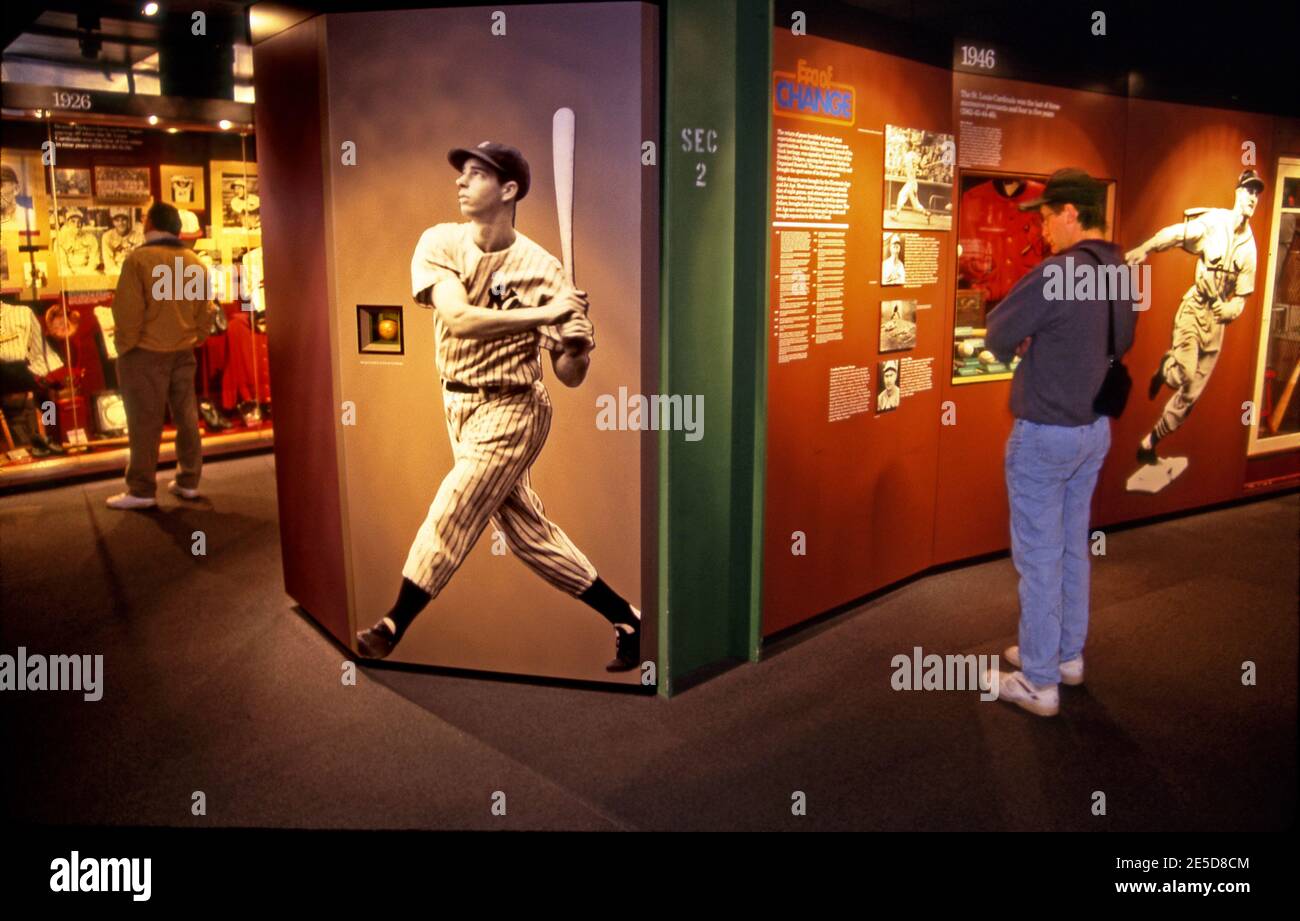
x=1069, y=186
x=1249, y=178
x=507, y=161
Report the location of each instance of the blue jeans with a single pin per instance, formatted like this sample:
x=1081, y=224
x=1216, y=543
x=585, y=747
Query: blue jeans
x=1051, y=473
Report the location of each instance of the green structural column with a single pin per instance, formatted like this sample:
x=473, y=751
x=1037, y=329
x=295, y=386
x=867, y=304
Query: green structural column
x=717, y=66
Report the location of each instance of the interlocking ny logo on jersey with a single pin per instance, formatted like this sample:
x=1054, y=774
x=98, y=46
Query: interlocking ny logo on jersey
x=809, y=94
x=499, y=296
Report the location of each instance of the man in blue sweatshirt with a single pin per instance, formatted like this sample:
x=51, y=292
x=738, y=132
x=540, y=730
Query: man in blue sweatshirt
x=1056, y=319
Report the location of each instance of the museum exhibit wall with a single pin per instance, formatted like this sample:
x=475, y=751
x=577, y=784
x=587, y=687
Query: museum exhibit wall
x=862, y=492
x=60, y=258
x=372, y=458
x=828, y=453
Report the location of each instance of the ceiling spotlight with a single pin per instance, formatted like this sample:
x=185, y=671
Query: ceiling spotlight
x=173, y=130
x=39, y=113
x=153, y=119
x=224, y=124
x=150, y=9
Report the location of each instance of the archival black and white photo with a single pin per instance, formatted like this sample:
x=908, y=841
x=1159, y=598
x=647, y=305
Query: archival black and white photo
x=72, y=181
x=22, y=198
x=76, y=242
x=37, y=269
x=889, y=395
x=182, y=186
x=897, y=325
x=123, y=231
x=122, y=183
x=892, y=268
x=918, y=179
x=240, y=203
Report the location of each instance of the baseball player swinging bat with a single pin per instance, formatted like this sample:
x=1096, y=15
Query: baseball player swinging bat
x=500, y=301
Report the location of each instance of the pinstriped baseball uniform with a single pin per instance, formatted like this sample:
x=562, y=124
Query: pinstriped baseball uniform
x=494, y=439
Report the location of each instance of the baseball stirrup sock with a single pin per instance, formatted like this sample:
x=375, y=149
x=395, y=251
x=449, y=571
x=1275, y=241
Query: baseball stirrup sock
x=611, y=605
x=411, y=600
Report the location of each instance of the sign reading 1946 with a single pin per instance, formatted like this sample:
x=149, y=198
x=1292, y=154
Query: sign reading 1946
x=980, y=58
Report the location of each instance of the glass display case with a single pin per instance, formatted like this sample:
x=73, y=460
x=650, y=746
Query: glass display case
x=74, y=198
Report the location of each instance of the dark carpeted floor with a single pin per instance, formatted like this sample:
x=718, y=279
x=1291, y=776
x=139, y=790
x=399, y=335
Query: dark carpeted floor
x=215, y=683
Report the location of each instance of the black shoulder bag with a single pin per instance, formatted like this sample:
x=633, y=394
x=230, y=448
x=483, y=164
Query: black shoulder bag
x=1115, y=387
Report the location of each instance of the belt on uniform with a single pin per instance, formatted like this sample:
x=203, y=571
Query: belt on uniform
x=498, y=390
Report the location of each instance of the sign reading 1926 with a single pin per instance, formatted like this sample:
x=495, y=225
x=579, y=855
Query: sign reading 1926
x=66, y=100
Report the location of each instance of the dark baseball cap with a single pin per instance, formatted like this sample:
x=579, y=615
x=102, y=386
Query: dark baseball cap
x=1250, y=178
x=507, y=161
x=1072, y=186
x=7, y=174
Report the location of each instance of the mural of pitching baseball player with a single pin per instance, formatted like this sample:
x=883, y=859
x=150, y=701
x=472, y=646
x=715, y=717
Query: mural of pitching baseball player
x=1222, y=241
x=499, y=302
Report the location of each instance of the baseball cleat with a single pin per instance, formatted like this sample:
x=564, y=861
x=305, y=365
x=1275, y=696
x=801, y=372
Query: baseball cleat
x=377, y=642
x=627, y=650
x=1147, y=455
x=1071, y=671
x=1015, y=688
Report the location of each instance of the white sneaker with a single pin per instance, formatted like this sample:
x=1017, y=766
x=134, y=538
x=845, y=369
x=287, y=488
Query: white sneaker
x=182, y=491
x=1016, y=689
x=125, y=500
x=1071, y=672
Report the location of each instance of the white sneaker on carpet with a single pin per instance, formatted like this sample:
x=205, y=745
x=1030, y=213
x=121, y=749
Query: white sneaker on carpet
x=1071, y=671
x=124, y=500
x=1015, y=688
x=181, y=491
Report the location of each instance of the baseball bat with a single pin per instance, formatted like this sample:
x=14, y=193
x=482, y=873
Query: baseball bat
x=562, y=137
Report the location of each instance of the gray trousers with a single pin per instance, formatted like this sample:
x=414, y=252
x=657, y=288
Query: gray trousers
x=151, y=382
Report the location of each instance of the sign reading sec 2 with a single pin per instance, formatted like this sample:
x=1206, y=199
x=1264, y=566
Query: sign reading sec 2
x=700, y=141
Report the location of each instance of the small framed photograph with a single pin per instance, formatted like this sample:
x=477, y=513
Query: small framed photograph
x=182, y=186
x=893, y=270
x=897, y=325
x=72, y=181
x=889, y=395
x=41, y=272
x=236, y=204
x=919, y=169
x=122, y=183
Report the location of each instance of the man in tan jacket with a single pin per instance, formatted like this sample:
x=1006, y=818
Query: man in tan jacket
x=162, y=310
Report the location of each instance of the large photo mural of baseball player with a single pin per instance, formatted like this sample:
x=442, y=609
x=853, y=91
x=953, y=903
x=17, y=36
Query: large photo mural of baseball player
x=503, y=227
x=1224, y=276
x=500, y=303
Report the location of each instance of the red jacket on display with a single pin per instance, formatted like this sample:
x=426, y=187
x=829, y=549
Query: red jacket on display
x=999, y=242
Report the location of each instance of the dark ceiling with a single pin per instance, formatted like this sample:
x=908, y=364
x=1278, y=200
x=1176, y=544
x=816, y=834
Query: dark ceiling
x=1240, y=55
